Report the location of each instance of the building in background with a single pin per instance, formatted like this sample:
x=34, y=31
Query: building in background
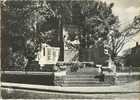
x=133, y=57
x=48, y=55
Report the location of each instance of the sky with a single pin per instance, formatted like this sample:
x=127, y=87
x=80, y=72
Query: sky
x=126, y=10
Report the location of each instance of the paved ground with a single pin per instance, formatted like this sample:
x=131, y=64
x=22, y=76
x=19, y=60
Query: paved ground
x=128, y=87
x=31, y=94
x=129, y=91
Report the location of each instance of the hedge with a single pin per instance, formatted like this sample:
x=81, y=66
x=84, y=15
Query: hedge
x=41, y=78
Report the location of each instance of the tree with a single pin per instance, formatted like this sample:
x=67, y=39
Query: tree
x=39, y=22
x=99, y=25
x=24, y=23
x=94, y=21
x=117, y=39
x=36, y=22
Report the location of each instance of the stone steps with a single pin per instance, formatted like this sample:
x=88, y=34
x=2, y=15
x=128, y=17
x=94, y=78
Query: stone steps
x=84, y=84
x=81, y=78
x=81, y=82
x=82, y=73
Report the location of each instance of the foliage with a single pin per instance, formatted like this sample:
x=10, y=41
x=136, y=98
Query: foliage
x=37, y=22
x=117, y=39
x=24, y=23
x=94, y=21
x=31, y=23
